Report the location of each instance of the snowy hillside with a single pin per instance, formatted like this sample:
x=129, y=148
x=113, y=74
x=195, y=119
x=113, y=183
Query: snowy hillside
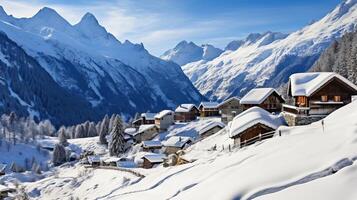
x=302, y=161
x=269, y=60
x=185, y=52
x=87, y=61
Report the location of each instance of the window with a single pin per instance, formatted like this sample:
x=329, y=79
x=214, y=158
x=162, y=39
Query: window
x=302, y=101
x=324, y=98
x=337, y=98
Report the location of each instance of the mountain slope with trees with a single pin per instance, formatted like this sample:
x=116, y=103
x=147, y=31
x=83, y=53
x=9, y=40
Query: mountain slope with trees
x=340, y=57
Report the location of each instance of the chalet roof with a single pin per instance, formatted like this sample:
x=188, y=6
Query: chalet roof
x=305, y=84
x=155, y=158
x=177, y=141
x=257, y=95
x=228, y=100
x=111, y=159
x=145, y=127
x=148, y=116
x=163, y=113
x=130, y=131
x=253, y=116
x=4, y=188
x=151, y=143
x=211, y=125
x=92, y=159
x=185, y=108
x=207, y=104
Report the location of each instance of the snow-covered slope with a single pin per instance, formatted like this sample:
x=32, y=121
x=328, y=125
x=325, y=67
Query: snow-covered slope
x=303, y=160
x=186, y=52
x=269, y=60
x=86, y=60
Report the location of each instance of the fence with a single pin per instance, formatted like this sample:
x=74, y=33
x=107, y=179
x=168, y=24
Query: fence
x=245, y=143
x=116, y=168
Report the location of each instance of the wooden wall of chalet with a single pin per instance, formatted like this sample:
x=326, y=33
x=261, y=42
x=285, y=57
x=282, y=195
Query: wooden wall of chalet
x=209, y=112
x=147, y=164
x=229, y=110
x=335, y=87
x=252, y=132
x=272, y=103
x=186, y=116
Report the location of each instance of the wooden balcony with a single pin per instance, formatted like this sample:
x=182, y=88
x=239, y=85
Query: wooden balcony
x=296, y=110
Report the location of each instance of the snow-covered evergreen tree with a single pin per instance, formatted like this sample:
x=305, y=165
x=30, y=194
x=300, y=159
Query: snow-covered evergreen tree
x=59, y=155
x=80, y=131
x=92, y=131
x=117, y=142
x=62, y=138
x=104, y=130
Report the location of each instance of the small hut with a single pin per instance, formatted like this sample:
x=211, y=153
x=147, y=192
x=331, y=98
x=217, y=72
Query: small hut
x=150, y=160
x=254, y=124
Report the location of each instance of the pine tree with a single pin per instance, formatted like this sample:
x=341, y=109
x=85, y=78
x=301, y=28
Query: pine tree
x=117, y=142
x=92, y=131
x=62, y=138
x=104, y=130
x=59, y=155
x=80, y=131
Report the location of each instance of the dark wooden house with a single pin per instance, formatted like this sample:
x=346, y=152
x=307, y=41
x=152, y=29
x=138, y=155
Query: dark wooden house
x=229, y=109
x=315, y=95
x=145, y=118
x=150, y=160
x=253, y=125
x=209, y=109
x=266, y=98
x=186, y=112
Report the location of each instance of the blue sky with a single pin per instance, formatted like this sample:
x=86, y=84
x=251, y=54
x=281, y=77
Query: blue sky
x=161, y=24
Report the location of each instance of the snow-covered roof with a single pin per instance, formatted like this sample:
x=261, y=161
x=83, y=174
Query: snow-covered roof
x=130, y=131
x=253, y=116
x=210, y=126
x=145, y=127
x=148, y=116
x=111, y=159
x=207, y=104
x=3, y=188
x=92, y=159
x=163, y=113
x=305, y=84
x=151, y=143
x=177, y=141
x=155, y=158
x=257, y=95
x=228, y=100
x=184, y=108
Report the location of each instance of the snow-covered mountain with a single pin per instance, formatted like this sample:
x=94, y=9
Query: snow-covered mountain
x=87, y=61
x=187, y=52
x=269, y=60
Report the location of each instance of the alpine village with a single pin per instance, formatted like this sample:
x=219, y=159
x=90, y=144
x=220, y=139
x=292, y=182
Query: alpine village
x=190, y=141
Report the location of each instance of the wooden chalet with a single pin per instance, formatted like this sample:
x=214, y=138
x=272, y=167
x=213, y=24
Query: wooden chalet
x=253, y=125
x=145, y=132
x=315, y=95
x=186, y=112
x=266, y=98
x=150, y=160
x=229, y=109
x=209, y=109
x=176, y=143
x=145, y=118
x=151, y=146
x=210, y=129
x=164, y=119
x=5, y=191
